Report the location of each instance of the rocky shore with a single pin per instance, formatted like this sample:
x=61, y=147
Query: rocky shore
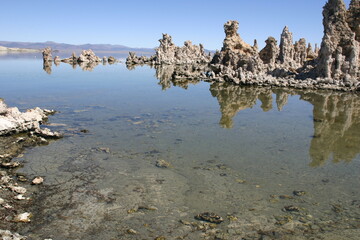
x=334, y=66
x=18, y=130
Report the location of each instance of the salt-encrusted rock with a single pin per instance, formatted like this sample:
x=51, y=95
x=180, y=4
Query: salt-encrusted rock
x=310, y=54
x=57, y=59
x=169, y=53
x=234, y=48
x=14, y=121
x=111, y=59
x=270, y=52
x=88, y=56
x=23, y=217
x=300, y=52
x=47, y=55
x=287, y=51
x=132, y=59
x=233, y=41
x=3, y=107
x=289, y=65
x=339, y=53
x=7, y=235
x=47, y=133
x=37, y=180
x=353, y=18
x=72, y=59
x=17, y=189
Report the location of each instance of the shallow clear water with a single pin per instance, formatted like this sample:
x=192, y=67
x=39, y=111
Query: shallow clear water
x=233, y=151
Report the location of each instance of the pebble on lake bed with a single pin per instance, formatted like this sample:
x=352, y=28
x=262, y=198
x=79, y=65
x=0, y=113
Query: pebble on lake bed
x=162, y=164
x=291, y=208
x=209, y=217
x=37, y=181
x=131, y=231
x=299, y=193
x=20, y=197
x=160, y=238
x=20, y=190
x=10, y=165
x=23, y=217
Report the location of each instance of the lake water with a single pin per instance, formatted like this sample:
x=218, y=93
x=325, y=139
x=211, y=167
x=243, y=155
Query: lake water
x=239, y=152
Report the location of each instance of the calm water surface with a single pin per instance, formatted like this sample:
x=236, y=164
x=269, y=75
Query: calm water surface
x=239, y=152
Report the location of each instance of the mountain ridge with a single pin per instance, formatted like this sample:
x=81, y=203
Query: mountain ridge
x=65, y=47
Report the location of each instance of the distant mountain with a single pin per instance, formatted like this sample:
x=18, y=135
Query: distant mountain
x=64, y=47
x=22, y=50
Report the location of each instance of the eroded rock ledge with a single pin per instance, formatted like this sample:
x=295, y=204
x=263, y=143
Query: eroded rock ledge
x=13, y=121
x=298, y=65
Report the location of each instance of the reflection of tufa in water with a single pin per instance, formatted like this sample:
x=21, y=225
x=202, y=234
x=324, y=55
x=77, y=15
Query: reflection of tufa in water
x=178, y=75
x=336, y=126
x=336, y=116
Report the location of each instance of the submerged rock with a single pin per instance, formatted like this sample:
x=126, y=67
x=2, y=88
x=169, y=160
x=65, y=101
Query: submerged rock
x=23, y=217
x=162, y=164
x=209, y=217
x=7, y=235
x=37, y=181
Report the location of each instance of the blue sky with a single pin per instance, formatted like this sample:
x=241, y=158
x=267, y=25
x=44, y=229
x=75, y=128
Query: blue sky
x=140, y=23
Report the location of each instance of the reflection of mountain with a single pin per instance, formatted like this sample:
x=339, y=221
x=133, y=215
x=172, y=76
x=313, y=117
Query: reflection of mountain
x=336, y=116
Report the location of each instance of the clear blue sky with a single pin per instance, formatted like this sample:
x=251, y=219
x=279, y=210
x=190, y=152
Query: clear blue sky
x=140, y=23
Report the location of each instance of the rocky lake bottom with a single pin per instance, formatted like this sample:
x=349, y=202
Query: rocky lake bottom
x=149, y=158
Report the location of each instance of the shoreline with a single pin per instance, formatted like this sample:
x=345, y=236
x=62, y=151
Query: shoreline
x=18, y=50
x=18, y=131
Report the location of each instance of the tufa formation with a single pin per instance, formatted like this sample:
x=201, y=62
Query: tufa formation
x=334, y=66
